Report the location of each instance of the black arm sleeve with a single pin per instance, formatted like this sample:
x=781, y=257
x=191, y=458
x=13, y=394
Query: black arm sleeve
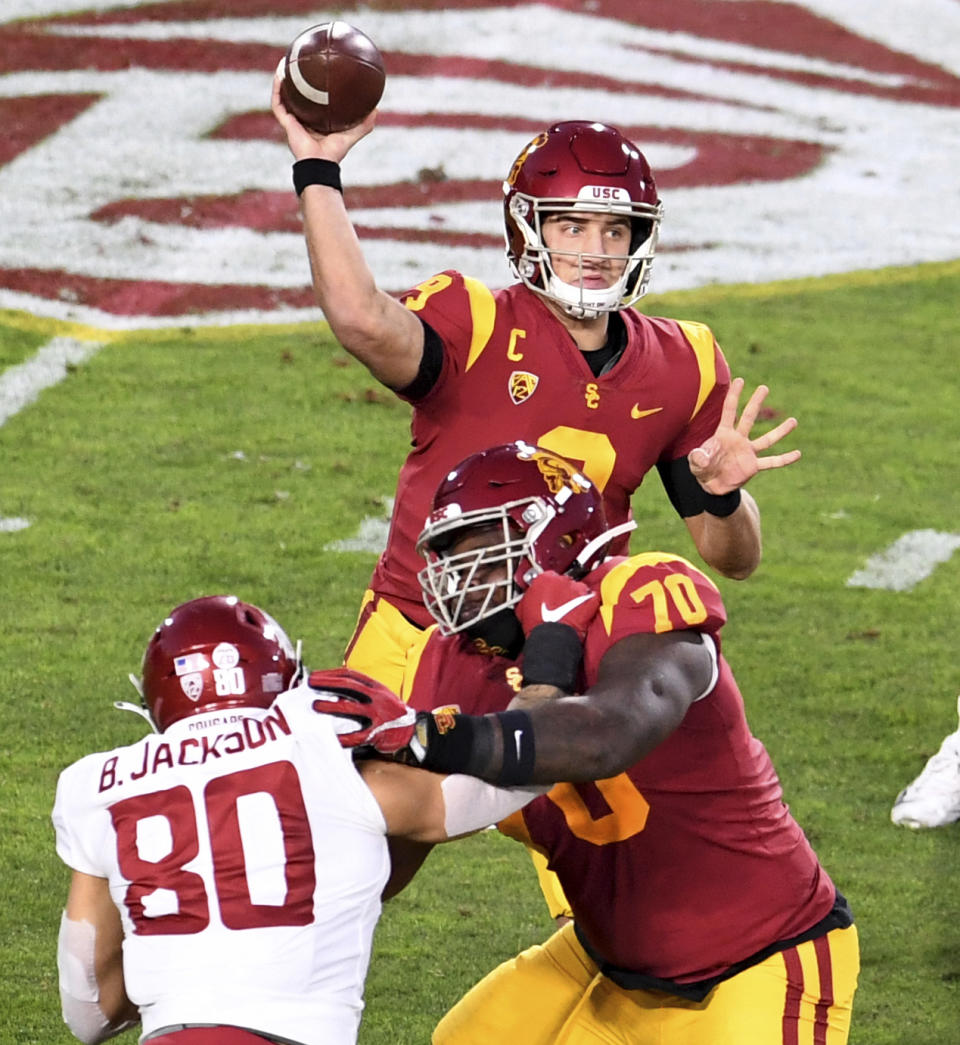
x=688, y=497
x=431, y=363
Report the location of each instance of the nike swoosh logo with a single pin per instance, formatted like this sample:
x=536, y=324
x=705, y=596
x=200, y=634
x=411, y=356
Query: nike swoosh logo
x=517, y=736
x=636, y=413
x=559, y=612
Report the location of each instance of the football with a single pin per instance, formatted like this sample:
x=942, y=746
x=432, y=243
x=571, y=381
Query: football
x=333, y=76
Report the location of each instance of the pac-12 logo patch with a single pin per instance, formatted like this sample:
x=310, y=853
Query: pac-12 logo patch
x=522, y=385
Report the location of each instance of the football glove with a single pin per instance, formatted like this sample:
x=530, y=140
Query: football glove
x=555, y=612
x=368, y=714
x=553, y=598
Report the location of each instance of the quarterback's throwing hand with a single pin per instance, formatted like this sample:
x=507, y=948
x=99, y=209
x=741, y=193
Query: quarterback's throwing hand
x=367, y=713
x=729, y=458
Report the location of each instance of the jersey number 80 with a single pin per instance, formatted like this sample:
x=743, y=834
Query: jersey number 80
x=167, y=879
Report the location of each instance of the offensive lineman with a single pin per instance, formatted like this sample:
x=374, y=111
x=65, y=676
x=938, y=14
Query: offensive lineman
x=701, y=913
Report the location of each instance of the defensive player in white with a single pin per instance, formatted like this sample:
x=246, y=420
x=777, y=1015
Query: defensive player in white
x=932, y=799
x=228, y=869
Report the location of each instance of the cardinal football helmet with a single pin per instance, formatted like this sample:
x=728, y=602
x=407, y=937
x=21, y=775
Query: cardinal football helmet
x=213, y=653
x=545, y=515
x=581, y=167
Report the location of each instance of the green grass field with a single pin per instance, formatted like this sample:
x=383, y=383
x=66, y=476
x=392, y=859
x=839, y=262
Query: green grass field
x=196, y=461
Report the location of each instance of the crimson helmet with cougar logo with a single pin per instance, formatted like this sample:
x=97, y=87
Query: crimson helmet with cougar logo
x=212, y=653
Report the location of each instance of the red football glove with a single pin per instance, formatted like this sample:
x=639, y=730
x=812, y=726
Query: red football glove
x=368, y=714
x=553, y=598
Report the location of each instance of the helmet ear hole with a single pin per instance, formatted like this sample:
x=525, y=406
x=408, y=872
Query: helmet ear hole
x=641, y=231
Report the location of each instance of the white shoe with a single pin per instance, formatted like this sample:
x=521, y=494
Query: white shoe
x=933, y=799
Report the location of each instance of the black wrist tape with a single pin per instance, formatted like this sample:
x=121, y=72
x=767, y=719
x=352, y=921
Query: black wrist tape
x=722, y=504
x=551, y=656
x=316, y=172
x=518, y=748
x=455, y=744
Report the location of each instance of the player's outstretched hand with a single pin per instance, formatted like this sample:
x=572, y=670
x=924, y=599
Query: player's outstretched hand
x=553, y=598
x=305, y=143
x=367, y=713
x=730, y=458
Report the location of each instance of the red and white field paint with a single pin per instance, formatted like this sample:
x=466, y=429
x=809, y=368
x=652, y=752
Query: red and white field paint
x=143, y=180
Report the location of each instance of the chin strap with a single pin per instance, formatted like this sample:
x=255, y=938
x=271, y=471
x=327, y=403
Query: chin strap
x=605, y=538
x=137, y=709
x=301, y=672
x=579, y=312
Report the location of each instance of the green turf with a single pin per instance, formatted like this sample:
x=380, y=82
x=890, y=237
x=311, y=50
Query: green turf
x=180, y=463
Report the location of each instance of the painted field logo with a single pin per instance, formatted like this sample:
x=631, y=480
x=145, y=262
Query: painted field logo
x=142, y=176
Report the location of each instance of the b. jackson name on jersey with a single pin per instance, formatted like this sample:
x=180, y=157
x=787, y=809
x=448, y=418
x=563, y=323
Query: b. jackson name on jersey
x=189, y=751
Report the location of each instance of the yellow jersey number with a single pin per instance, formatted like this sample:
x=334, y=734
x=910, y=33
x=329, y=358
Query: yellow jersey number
x=628, y=808
x=594, y=449
x=627, y=816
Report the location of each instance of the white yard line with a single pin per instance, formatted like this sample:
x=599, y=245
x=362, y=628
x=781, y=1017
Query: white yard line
x=13, y=524
x=371, y=535
x=909, y=560
x=20, y=385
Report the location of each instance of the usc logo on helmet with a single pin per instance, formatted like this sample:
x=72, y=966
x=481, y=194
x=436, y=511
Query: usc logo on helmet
x=519, y=161
x=558, y=473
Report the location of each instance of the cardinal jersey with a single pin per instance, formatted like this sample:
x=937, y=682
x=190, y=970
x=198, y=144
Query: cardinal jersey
x=689, y=862
x=246, y=857
x=512, y=371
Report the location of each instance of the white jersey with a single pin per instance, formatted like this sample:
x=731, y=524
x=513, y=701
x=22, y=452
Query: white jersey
x=247, y=858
